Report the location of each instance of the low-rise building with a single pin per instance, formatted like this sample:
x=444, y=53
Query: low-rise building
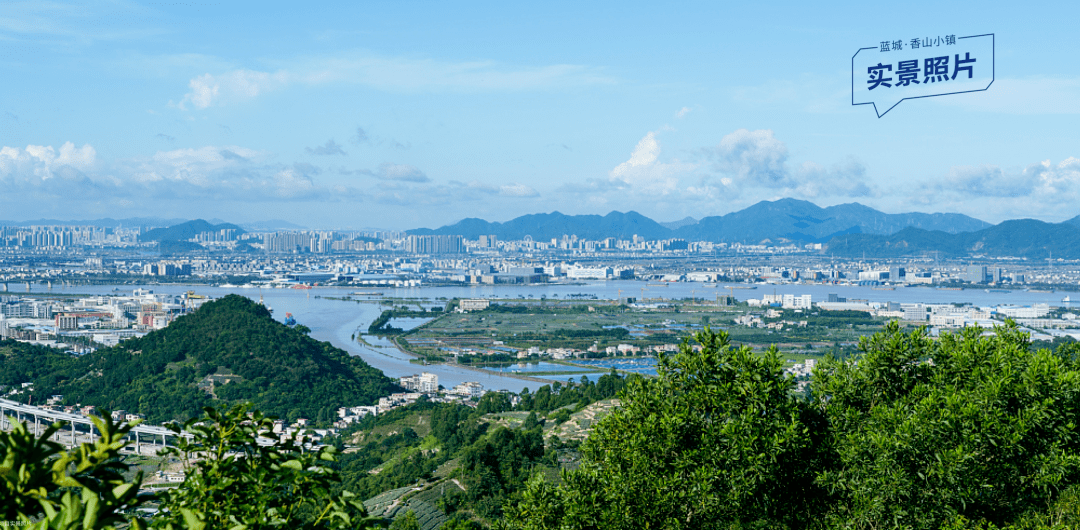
x=473, y=304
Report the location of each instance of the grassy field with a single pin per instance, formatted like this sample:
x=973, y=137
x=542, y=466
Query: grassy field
x=580, y=325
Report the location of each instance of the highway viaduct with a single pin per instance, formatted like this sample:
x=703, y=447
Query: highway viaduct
x=146, y=439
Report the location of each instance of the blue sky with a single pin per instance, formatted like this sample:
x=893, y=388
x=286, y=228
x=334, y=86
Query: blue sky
x=406, y=114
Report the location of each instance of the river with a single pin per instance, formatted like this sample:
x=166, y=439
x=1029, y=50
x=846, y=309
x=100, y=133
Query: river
x=335, y=321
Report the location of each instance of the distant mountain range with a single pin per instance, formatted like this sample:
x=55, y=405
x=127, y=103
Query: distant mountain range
x=1026, y=238
x=767, y=221
x=273, y=224
x=102, y=223
x=852, y=230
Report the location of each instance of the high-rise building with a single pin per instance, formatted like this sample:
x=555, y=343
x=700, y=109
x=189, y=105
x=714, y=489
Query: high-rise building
x=489, y=241
x=446, y=244
x=897, y=273
x=975, y=274
x=299, y=242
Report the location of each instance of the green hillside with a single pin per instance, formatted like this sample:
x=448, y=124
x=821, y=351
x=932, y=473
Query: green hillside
x=450, y=461
x=229, y=350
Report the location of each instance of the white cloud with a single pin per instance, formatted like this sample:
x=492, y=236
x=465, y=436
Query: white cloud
x=200, y=167
x=682, y=112
x=387, y=73
x=713, y=190
x=1043, y=190
x=755, y=158
x=644, y=173
x=846, y=179
x=330, y=148
x=229, y=172
x=644, y=155
x=518, y=190
x=983, y=181
x=1058, y=180
x=1049, y=182
x=400, y=172
x=44, y=162
x=594, y=186
x=237, y=85
x=506, y=190
x=70, y=175
x=294, y=183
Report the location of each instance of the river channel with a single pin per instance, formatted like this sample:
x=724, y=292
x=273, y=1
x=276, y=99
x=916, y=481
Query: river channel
x=336, y=321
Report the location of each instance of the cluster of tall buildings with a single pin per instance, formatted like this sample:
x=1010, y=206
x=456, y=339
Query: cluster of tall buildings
x=299, y=242
x=435, y=244
x=167, y=268
x=984, y=274
x=16, y=307
x=488, y=242
x=224, y=235
x=58, y=237
x=570, y=242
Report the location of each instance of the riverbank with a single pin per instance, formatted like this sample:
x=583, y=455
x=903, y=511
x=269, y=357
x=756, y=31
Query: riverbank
x=504, y=374
x=415, y=357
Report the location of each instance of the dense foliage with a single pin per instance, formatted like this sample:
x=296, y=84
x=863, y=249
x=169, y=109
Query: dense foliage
x=281, y=370
x=24, y=362
x=232, y=481
x=971, y=431
x=717, y=439
x=42, y=486
x=970, y=426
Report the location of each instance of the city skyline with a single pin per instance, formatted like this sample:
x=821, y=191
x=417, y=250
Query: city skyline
x=397, y=117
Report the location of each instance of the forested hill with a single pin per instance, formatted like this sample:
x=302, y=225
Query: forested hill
x=232, y=342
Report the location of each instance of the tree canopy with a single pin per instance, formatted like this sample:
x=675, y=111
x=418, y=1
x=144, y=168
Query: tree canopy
x=231, y=481
x=974, y=430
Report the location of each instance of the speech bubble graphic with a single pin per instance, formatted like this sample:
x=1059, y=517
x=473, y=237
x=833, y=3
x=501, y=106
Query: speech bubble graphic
x=924, y=67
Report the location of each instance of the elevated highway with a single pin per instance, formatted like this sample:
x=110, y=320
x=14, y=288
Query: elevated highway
x=146, y=439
